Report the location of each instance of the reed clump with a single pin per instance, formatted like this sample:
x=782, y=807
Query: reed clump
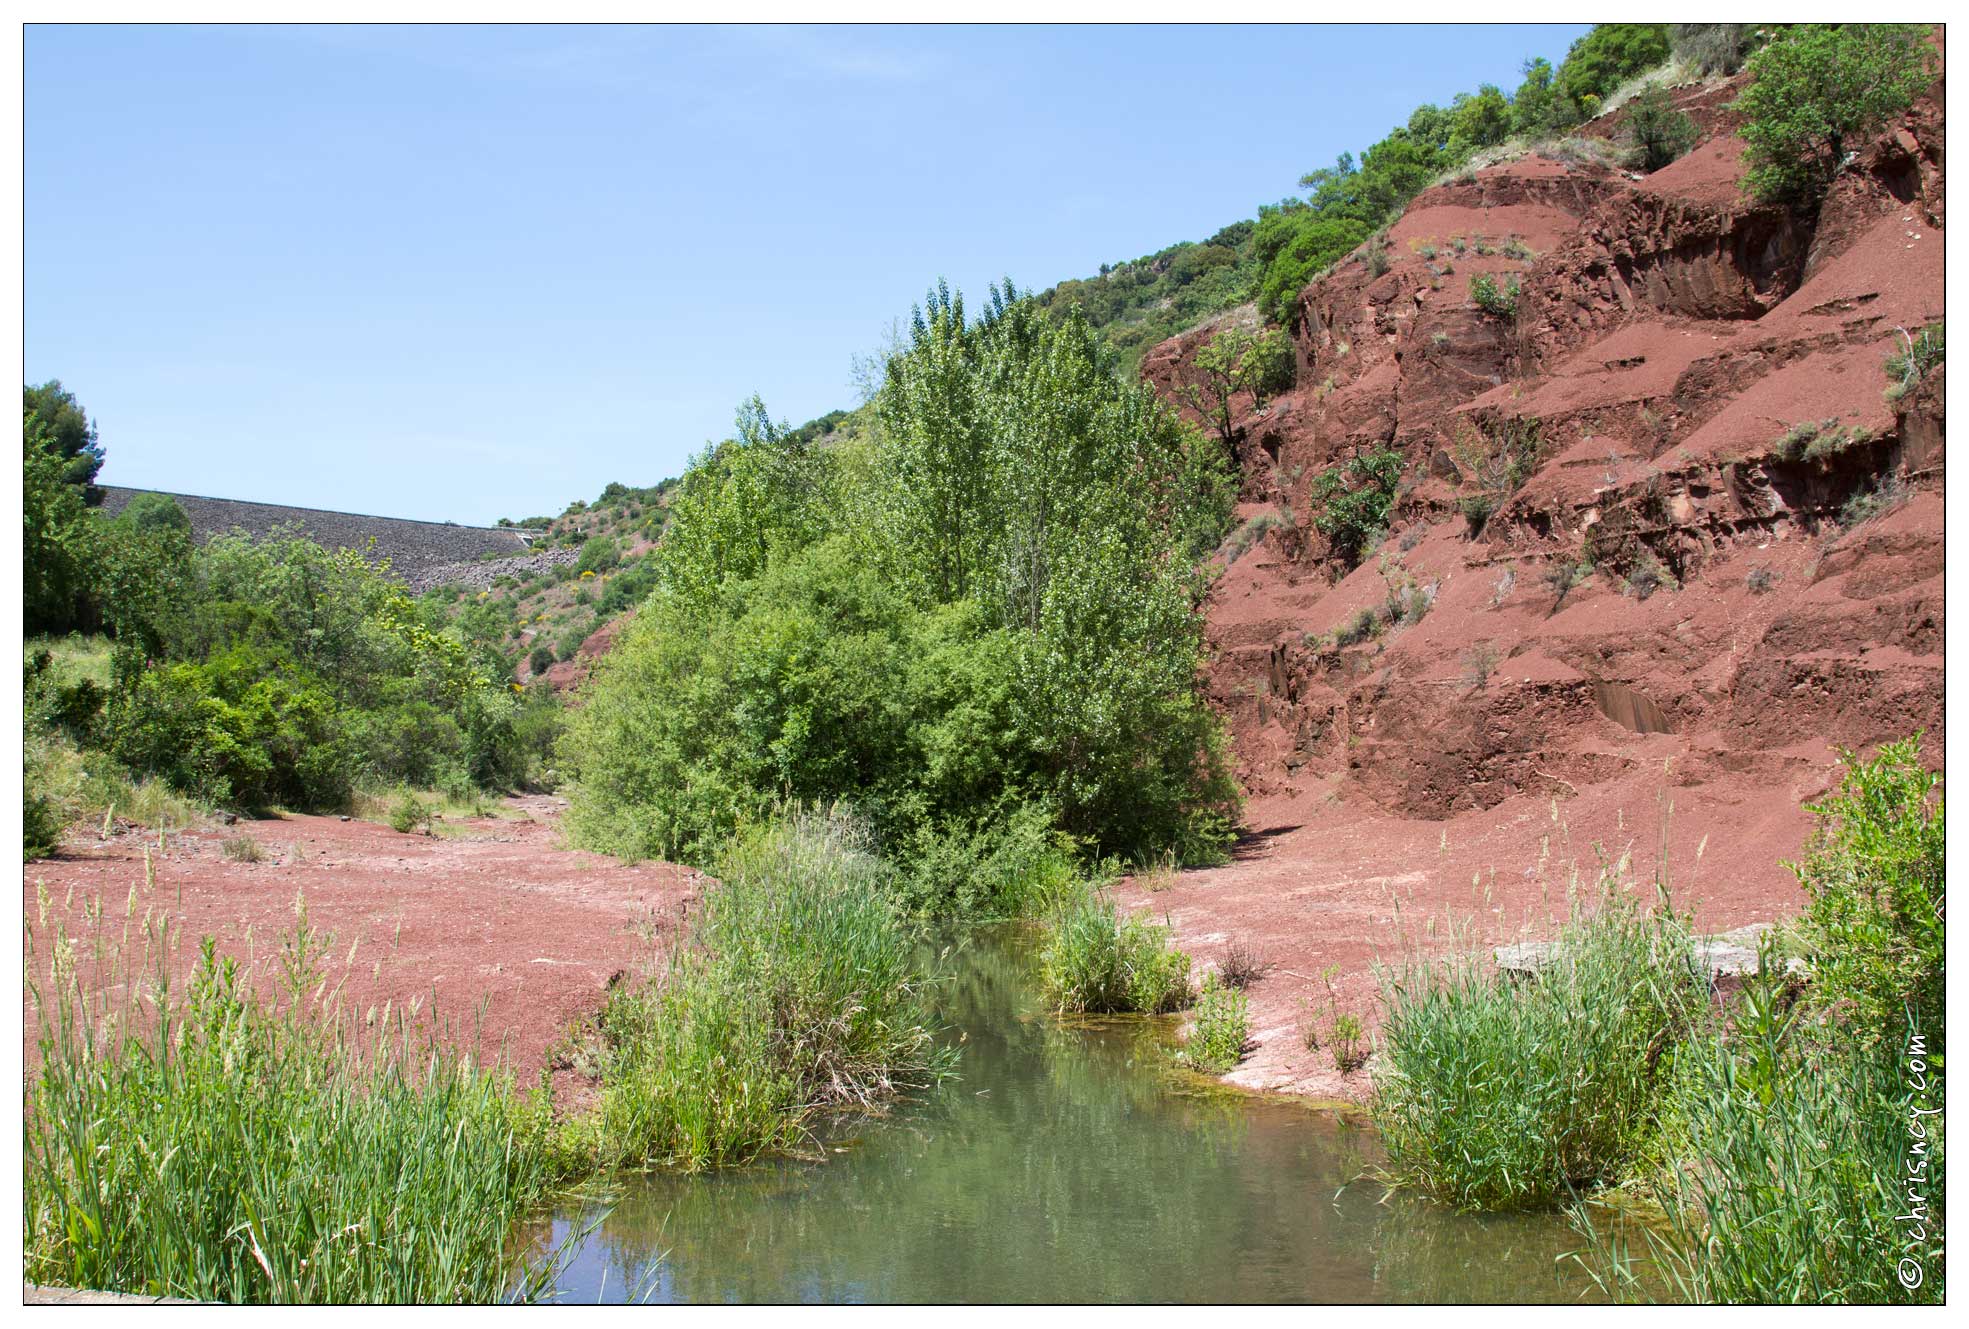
x=212, y=1145
x=1510, y=1094
x=802, y=990
x=1098, y=959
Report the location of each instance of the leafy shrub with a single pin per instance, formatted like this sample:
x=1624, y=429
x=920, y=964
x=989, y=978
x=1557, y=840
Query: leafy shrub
x=1648, y=576
x=1352, y=515
x=41, y=819
x=1252, y=530
x=408, y=813
x=1873, y=870
x=246, y=728
x=1099, y=960
x=1494, y=300
x=1348, y=1042
x=1817, y=92
x=1792, y=443
x=1221, y=1028
x=1363, y=626
x=1562, y=576
x=1865, y=504
x=1009, y=867
x=1659, y=132
x=1499, y=1095
x=599, y=555
x=1479, y=663
x=540, y=660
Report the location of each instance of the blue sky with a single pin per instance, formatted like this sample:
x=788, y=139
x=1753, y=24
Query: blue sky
x=465, y=273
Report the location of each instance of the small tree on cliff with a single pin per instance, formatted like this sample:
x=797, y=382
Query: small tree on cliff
x=1234, y=361
x=1660, y=132
x=1819, y=92
x=1354, y=502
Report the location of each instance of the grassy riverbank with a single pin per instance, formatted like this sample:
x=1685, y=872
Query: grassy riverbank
x=215, y=1143
x=217, y=1146
x=1785, y=1140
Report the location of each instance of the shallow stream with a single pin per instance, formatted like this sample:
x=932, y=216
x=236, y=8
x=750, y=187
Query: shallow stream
x=1066, y=1163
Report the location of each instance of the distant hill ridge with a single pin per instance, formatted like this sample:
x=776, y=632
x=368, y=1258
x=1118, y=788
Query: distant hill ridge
x=413, y=547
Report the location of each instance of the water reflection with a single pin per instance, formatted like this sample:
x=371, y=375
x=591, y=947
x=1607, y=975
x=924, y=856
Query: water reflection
x=1068, y=1163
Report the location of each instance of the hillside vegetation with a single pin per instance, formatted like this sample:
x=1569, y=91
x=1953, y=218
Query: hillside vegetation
x=1269, y=258
x=245, y=674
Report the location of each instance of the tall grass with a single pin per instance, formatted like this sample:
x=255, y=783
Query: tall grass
x=1503, y=1095
x=1796, y=1177
x=205, y=1145
x=1802, y=1154
x=1097, y=959
x=802, y=990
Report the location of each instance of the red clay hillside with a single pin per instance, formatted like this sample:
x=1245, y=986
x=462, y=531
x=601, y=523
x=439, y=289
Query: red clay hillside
x=1753, y=601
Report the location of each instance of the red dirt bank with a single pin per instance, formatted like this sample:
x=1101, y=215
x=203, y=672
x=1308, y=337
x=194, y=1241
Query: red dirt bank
x=1669, y=332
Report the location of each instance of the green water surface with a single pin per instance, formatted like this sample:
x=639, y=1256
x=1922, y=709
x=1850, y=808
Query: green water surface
x=1066, y=1163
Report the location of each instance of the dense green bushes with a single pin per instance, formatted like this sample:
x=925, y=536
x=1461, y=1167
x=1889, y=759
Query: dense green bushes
x=246, y=673
x=1873, y=872
x=1791, y=1139
x=988, y=605
x=1817, y=91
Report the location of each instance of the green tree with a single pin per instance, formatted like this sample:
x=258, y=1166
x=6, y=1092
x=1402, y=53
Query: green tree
x=59, y=543
x=983, y=608
x=147, y=511
x=1660, y=133
x=740, y=502
x=1294, y=247
x=1540, y=106
x=1482, y=120
x=54, y=411
x=1238, y=360
x=1608, y=56
x=1817, y=92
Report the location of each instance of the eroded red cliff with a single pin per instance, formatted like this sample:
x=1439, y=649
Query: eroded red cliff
x=1752, y=604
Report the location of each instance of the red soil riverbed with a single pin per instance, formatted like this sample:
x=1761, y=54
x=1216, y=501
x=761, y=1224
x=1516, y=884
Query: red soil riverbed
x=492, y=929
